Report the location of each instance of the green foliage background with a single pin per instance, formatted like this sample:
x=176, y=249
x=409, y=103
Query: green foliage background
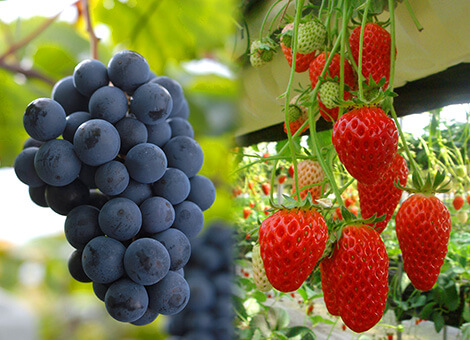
x=167, y=34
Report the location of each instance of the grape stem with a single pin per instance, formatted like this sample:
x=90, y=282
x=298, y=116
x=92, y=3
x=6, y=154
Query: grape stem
x=30, y=37
x=93, y=38
x=16, y=67
x=30, y=73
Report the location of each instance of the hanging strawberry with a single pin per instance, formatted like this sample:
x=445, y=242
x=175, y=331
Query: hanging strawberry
x=355, y=278
x=366, y=141
x=382, y=197
x=291, y=241
x=259, y=274
x=302, y=60
x=375, y=51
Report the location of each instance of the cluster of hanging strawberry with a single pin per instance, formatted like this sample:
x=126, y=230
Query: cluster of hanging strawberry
x=352, y=257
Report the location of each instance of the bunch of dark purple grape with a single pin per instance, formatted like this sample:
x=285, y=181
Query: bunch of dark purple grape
x=125, y=175
x=209, y=314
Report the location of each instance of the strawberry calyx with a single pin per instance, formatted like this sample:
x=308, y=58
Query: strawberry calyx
x=374, y=95
x=285, y=37
x=432, y=184
x=350, y=219
x=306, y=203
x=264, y=48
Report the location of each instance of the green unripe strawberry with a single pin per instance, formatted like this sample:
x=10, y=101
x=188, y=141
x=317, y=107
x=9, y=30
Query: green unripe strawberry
x=259, y=274
x=329, y=94
x=311, y=37
x=461, y=171
x=261, y=52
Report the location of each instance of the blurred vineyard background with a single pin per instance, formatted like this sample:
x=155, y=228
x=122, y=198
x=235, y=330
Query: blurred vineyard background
x=190, y=41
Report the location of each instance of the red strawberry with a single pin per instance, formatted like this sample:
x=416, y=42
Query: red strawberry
x=358, y=273
x=266, y=155
x=291, y=173
x=292, y=241
x=303, y=60
x=310, y=309
x=329, y=277
x=318, y=64
x=468, y=199
x=354, y=210
x=337, y=214
x=266, y=187
x=252, y=204
x=382, y=197
x=281, y=179
x=348, y=201
x=375, y=51
x=236, y=191
x=246, y=213
x=458, y=202
x=366, y=141
x=309, y=172
x=423, y=229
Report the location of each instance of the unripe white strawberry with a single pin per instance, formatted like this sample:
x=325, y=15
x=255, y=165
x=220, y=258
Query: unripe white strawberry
x=329, y=94
x=259, y=274
x=462, y=216
x=311, y=37
x=261, y=52
x=309, y=172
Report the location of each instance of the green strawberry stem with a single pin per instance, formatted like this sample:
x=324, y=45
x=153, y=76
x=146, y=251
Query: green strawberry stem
x=413, y=164
x=458, y=155
x=313, y=131
x=344, y=28
x=392, y=44
x=412, y=15
x=298, y=14
x=361, y=43
x=271, y=192
x=283, y=11
x=326, y=167
x=264, y=159
x=320, y=11
x=266, y=18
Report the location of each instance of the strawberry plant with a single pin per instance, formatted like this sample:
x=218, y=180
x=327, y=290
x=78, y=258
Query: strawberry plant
x=353, y=180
